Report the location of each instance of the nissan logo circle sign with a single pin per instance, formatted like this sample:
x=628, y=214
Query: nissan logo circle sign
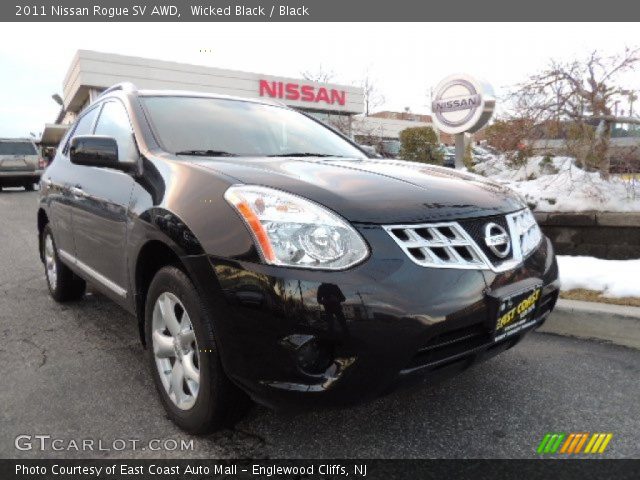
x=462, y=104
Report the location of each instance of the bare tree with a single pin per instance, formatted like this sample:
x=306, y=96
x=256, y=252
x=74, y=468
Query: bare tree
x=372, y=96
x=321, y=75
x=341, y=123
x=509, y=134
x=580, y=92
x=368, y=133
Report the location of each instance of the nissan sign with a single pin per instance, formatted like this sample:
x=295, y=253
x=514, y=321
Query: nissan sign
x=301, y=92
x=462, y=104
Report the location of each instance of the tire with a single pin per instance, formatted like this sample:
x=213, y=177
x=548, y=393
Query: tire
x=29, y=187
x=212, y=403
x=64, y=285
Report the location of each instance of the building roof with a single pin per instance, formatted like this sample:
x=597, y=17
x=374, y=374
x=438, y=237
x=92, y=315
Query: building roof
x=410, y=116
x=52, y=134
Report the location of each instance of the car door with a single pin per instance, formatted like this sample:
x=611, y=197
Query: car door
x=58, y=182
x=100, y=210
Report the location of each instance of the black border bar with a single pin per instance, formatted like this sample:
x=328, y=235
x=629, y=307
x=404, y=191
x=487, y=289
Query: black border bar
x=578, y=469
x=323, y=11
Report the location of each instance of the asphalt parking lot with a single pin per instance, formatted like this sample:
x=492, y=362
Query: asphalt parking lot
x=76, y=372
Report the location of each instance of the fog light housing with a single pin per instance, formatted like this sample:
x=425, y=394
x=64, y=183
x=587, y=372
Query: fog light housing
x=311, y=356
x=314, y=357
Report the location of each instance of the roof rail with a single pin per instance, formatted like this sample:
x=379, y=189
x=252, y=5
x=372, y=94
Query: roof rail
x=124, y=86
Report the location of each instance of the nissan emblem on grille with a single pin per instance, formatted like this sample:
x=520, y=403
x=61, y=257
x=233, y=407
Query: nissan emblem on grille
x=497, y=239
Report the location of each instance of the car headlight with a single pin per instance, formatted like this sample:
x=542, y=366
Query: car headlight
x=296, y=232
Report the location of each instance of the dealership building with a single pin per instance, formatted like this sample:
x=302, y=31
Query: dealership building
x=90, y=73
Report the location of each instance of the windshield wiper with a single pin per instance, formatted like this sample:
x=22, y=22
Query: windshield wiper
x=303, y=154
x=207, y=153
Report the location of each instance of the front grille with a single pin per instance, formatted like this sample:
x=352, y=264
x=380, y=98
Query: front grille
x=547, y=303
x=437, y=245
x=464, y=343
x=464, y=245
x=448, y=346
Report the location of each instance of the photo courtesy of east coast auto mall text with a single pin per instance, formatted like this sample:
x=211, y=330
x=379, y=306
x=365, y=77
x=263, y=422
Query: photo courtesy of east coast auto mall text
x=278, y=239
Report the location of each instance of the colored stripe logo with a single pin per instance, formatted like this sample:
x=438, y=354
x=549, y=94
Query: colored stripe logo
x=572, y=443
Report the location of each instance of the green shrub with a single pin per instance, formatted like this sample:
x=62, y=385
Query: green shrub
x=519, y=158
x=467, y=159
x=547, y=166
x=420, y=144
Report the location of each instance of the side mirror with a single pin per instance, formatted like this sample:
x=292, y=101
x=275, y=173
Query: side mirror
x=98, y=151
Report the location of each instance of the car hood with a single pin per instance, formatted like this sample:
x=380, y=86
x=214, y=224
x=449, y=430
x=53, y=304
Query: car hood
x=375, y=191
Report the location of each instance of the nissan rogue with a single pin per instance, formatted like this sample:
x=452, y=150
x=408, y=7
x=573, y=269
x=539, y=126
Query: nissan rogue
x=265, y=256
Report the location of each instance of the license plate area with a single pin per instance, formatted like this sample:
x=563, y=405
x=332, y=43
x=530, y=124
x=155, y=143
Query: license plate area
x=514, y=309
x=11, y=164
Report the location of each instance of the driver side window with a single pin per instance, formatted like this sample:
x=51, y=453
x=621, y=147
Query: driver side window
x=114, y=122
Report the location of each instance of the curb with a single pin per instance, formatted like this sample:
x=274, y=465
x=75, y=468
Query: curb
x=617, y=324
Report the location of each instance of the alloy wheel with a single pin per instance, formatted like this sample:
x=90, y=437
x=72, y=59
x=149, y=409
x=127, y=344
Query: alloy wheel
x=51, y=269
x=176, y=351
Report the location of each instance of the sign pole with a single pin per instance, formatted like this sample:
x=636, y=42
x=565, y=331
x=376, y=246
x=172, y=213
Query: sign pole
x=460, y=147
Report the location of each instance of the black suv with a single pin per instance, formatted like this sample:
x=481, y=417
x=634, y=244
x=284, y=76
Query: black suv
x=264, y=253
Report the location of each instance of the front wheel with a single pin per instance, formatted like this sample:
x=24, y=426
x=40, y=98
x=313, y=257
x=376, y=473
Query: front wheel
x=184, y=359
x=64, y=285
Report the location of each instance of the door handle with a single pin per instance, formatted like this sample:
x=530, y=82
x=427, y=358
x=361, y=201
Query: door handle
x=77, y=191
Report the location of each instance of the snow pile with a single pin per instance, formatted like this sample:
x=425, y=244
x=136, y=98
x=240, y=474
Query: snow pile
x=498, y=168
x=614, y=278
x=556, y=184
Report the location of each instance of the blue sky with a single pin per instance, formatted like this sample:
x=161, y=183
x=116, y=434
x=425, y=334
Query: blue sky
x=406, y=60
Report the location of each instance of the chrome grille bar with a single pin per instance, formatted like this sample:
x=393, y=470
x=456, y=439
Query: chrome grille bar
x=449, y=245
x=525, y=232
x=444, y=245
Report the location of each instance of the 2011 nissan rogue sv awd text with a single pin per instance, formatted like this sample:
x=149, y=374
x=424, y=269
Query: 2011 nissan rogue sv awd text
x=264, y=254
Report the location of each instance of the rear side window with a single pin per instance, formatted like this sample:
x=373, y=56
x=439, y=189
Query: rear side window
x=114, y=122
x=17, y=148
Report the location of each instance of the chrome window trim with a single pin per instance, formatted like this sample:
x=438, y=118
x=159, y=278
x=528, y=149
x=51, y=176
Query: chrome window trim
x=97, y=276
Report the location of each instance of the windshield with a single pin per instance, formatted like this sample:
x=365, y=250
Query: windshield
x=221, y=127
x=17, y=148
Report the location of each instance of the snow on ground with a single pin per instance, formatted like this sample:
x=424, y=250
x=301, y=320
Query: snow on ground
x=558, y=185
x=614, y=278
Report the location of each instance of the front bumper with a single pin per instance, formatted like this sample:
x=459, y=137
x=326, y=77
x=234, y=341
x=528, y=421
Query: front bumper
x=398, y=321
